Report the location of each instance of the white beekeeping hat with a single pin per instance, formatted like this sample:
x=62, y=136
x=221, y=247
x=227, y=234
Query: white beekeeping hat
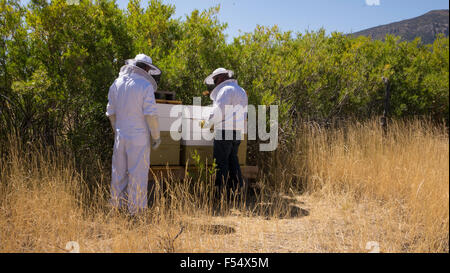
x=210, y=79
x=142, y=58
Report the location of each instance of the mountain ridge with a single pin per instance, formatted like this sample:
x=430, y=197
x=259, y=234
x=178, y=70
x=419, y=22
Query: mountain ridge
x=426, y=26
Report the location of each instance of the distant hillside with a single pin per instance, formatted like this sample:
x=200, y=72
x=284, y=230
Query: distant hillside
x=426, y=26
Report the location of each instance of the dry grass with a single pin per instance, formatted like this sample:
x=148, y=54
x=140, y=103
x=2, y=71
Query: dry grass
x=359, y=188
x=394, y=190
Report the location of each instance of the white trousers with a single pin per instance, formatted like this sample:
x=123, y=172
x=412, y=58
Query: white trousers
x=130, y=166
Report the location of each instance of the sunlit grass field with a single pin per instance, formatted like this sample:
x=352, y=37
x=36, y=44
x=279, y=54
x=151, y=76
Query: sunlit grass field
x=358, y=186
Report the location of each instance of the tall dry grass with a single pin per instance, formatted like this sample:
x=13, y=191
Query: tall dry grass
x=404, y=174
x=46, y=203
x=358, y=186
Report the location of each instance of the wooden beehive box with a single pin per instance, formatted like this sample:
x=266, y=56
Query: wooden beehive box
x=168, y=152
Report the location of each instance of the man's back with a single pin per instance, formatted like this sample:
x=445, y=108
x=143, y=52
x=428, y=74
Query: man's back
x=230, y=94
x=131, y=97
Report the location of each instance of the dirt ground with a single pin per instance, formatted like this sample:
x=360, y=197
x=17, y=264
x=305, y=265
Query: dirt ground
x=313, y=225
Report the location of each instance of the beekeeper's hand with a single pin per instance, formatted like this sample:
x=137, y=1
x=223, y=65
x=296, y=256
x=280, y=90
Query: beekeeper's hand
x=203, y=124
x=156, y=143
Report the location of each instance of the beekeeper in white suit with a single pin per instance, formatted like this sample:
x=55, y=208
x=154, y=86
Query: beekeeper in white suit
x=133, y=115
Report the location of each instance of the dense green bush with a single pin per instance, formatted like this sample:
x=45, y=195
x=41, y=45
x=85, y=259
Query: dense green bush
x=58, y=60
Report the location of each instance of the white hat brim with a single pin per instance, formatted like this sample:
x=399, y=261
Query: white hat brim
x=154, y=70
x=210, y=79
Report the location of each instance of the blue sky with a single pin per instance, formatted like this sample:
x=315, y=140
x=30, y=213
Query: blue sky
x=299, y=15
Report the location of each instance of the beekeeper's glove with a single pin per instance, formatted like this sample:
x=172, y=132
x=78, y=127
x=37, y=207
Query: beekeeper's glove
x=112, y=119
x=153, y=125
x=156, y=143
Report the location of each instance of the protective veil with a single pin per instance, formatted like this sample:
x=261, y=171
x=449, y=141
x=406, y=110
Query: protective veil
x=131, y=100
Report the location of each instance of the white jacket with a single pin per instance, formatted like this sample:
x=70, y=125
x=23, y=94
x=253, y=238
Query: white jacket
x=231, y=94
x=131, y=97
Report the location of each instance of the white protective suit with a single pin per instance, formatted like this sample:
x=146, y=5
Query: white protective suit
x=131, y=100
x=231, y=94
